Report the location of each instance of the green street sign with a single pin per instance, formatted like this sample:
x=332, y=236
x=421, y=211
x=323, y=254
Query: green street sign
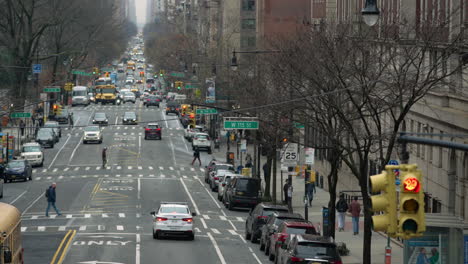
x=208, y=111
x=240, y=124
x=177, y=74
x=81, y=73
x=191, y=86
x=52, y=90
x=299, y=125
x=20, y=115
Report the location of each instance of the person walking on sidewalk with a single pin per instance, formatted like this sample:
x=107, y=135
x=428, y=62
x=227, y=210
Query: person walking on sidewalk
x=33, y=119
x=290, y=195
x=355, y=210
x=51, y=198
x=196, y=156
x=266, y=170
x=285, y=191
x=342, y=208
x=40, y=121
x=310, y=192
x=22, y=126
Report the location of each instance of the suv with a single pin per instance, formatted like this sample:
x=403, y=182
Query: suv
x=129, y=118
x=46, y=137
x=192, y=130
x=172, y=107
x=100, y=118
x=242, y=191
x=287, y=228
x=257, y=218
x=307, y=249
x=152, y=100
x=173, y=218
x=271, y=226
x=33, y=153
x=153, y=130
x=92, y=133
x=201, y=141
x=63, y=117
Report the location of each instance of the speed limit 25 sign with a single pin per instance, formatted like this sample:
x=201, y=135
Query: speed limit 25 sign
x=290, y=154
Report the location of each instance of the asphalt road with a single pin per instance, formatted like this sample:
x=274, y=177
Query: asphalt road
x=108, y=208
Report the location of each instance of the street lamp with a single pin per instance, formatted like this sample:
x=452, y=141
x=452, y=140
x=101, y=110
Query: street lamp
x=370, y=12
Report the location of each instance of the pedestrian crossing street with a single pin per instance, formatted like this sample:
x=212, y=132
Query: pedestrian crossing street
x=113, y=168
x=118, y=176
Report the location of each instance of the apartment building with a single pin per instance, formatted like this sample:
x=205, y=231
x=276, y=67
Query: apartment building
x=444, y=111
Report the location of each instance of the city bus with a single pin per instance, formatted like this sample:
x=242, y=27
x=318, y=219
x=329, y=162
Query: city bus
x=11, y=249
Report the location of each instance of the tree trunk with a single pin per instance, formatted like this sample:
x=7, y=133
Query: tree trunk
x=366, y=202
x=273, y=197
x=332, y=182
x=268, y=178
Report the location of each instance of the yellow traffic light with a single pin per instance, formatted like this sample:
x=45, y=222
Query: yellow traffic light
x=385, y=202
x=193, y=120
x=411, y=221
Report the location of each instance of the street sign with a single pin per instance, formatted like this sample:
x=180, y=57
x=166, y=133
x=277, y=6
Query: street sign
x=37, y=68
x=81, y=73
x=208, y=111
x=243, y=145
x=229, y=125
x=191, y=86
x=177, y=74
x=298, y=125
x=290, y=155
x=43, y=96
x=68, y=86
x=52, y=90
x=20, y=115
x=309, y=156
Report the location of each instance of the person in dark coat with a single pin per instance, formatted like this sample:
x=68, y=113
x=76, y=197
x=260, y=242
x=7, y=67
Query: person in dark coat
x=285, y=191
x=196, y=156
x=310, y=189
x=51, y=198
x=266, y=170
x=341, y=207
x=22, y=126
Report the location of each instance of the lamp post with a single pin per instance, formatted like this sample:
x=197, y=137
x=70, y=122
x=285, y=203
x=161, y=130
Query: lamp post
x=370, y=12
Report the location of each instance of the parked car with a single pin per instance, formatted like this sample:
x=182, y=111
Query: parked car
x=46, y=137
x=271, y=226
x=153, y=130
x=192, y=130
x=55, y=126
x=308, y=249
x=210, y=167
x=287, y=228
x=222, y=185
x=202, y=141
x=242, y=192
x=257, y=218
x=63, y=117
x=216, y=168
x=18, y=169
x=217, y=178
x=33, y=153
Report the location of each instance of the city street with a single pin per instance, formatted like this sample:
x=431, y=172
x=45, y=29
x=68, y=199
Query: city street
x=109, y=207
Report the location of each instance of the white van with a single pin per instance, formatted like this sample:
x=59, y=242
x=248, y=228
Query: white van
x=80, y=95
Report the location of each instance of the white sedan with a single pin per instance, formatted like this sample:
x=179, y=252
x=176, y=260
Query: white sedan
x=173, y=218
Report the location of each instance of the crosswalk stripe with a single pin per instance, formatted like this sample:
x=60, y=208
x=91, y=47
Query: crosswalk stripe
x=48, y=178
x=233, y=232
x=53, y=216
x=121, y=215
x=202, y=169
x=197, y=230
x=140, y=176
x=34, y=171
x=119, y=167
x=60, y=177
x=69, y=216
x=138, y=215
x=192, y=169
x=130, y=167
x=98, y=168
x=62, y=228
x=34, y=217
x=215, y=231
x=185, y=177
x=41, y=228
x=82, y=228
x=163, y=176
x=120, y=227
x=24, y=228
x=240, y=218
x=129, y=175
x=222, y=217
x=44, y=170
x=105, y=215
x=182, y=168
x=66, y=169
x=77, y=168
x=151, y=168
x=54, y=170
x=140, y=167
x=171, y=168
x=87, y=168
x=161, y=168
x=206, y=217
x=87, y=215
x=38, y=178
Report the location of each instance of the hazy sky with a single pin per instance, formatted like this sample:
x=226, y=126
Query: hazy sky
x=141, y=11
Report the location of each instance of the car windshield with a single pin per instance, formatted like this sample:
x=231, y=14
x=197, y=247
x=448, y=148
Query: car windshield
x=31, y=149
x=100, y=115
x=198, y=129
x=224, y=167
x=250, y=186
x=153, y=126
x=270, y=211
x=173, y=210
x=205, y=137
x=316, y=250
x=129, y=94
x=79, y=93
x=44, y=134
x=301, y=230
x=129, y=115
x=92, y=128
x=15, y=164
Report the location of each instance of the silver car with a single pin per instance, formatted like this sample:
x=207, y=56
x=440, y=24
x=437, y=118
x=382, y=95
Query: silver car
x=222, y=184
x=129, y=97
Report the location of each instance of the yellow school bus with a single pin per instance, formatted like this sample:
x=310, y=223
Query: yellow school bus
x=11, y=249
x=106, y=94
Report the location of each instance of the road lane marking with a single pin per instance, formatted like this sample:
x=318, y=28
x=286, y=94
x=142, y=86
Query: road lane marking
x=62, y=228
x=23, y=229
x=120, y=227
x=140, y=167
x=207, y=217
x=105, y=215
x=171, y=168
x=69, y=216
x=203, y=223
x=218, y=251
x=161, y=168
x=151, y=168
x=87, y=216
x=121, y=215
x=54, y=170
x=185, y=143
x=209, y=193
x=65, y=249
x=190, y=197
x=222, y=217
x=255, y=256
x=87, y=168
x=240, y=219
x=58, y=152
x=19, y=196
x=59, y=249
x=137, y=249
x=215, y=231
x=232, y=232
x=77, y=168
x=173, y=151
x=29, y=207
x=74, y=150
x=41, y=228
x=139, y=189
x=82, y=228
x=66, y=169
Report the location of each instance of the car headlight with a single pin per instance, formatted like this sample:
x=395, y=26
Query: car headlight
x=125, y=119
x=94, y=120
x=106, y=120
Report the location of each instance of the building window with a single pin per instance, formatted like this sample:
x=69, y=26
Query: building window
x=248, y=5
x=248, y=42
x=248, y=23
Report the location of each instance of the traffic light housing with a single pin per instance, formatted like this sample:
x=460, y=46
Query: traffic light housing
x=178, y=85
x=411, y=221
x=385, y=201
x=57, y=109
x=192, y=118
x=161, y=73
x=95, y=70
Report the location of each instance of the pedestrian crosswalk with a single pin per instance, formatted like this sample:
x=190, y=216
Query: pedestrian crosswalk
x=62, y=178
x=113, y=168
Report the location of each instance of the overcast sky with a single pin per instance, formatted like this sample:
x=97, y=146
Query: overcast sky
x=140, y=11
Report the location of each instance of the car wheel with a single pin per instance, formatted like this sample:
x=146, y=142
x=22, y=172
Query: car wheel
x=100, y=141
x=230, y=206
x=267, y=249
x=247, y=234
x=209, y=151
x=84, y=142
x=253, y=238
x=155, y=235
x=30, y=178
x=146, y=137
x=192, y=237
x=52, y=146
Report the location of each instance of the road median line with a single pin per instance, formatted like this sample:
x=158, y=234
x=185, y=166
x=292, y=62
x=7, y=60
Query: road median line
x=59, y=249
x=67, y=246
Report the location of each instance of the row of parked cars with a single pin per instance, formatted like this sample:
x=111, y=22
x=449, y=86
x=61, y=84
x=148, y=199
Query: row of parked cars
x=284, y=237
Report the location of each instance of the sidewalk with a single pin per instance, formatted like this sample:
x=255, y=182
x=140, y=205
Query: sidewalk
x=353, y=242
x=12, y=129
